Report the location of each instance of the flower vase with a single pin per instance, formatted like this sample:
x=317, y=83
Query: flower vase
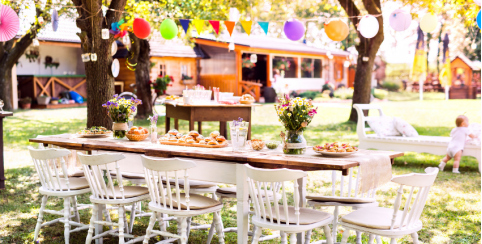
x=295, y=142
x=153, y=131
x=120, y=129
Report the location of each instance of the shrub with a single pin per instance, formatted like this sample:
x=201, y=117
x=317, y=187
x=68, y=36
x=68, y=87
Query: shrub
x=309, y=94
x=343, y=93
x=380, y=94
x=391, y=85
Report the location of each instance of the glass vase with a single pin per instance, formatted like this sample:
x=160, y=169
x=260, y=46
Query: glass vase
x=120, y=129
x=153, y=131
x=238, y=132
x=295, y=142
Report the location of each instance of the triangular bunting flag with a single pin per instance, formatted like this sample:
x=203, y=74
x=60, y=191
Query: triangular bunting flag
x=230, y=26
x=247, y=26
x=264, y=26
x=185, y=24
x=215, y=25
x=199, y=24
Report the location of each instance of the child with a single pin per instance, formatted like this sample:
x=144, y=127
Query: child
x=457, y=143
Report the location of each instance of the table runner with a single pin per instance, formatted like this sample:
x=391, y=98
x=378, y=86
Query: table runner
x=376, y=168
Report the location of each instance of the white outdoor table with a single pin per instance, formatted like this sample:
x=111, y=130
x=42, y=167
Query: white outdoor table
x=213, y=165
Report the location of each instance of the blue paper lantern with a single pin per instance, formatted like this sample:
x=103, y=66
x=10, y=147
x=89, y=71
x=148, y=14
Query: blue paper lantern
x=478, y=20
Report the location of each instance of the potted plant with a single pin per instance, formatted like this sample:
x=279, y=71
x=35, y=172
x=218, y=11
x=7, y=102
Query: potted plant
x=54, y=100
x=186, y=80
x=43, y=100
x=25, y=102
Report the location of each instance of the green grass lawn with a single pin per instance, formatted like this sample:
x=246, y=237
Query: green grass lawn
x=452, y=213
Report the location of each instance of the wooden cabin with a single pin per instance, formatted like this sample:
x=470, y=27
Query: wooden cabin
x=465, y=78
x=302, y=67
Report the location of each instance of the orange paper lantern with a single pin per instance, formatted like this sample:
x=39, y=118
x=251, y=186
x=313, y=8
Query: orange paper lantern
x=336, y=30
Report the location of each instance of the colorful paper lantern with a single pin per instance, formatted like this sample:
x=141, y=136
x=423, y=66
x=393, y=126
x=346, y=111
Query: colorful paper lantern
x=400, y=19
x=368, y=26
x=168, y=29
x=294, y=30
x=477, y=2
x=9, y=23
x=478, y=20
x=141, y=28
x=336, y=30
x=428, y=22
x=55, y=20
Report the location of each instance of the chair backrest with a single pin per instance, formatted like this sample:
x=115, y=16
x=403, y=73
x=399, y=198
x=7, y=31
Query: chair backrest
x=267, y=181
x=158, y=169
x=361, y=129
x=412, y=210
x=349, y=186
x=95, y=167
x=50, y=165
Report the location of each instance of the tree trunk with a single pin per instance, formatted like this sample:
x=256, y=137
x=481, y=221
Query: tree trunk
x=5, y=84
x=139, y=53
x=100, y=82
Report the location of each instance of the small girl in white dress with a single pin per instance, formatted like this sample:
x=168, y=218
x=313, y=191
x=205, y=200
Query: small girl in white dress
x=457, y=143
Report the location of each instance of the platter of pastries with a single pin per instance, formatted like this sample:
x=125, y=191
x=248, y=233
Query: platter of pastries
x=335, y=149
x=193, y=139
x=246, y=99
x=94, y=132
x=137, y=133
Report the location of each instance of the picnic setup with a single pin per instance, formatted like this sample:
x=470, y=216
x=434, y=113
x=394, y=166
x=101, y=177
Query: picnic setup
x=308, y=122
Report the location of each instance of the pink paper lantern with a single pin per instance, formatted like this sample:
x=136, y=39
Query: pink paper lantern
x=9, y=23
x=400, y=19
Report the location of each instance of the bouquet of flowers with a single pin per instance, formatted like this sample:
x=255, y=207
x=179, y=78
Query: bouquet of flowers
x=119, y=110
x=295, y=114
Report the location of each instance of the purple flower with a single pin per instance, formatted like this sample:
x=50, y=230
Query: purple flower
x=115, y=96
x=133, y=108
x=287, y=97
x=240, y=119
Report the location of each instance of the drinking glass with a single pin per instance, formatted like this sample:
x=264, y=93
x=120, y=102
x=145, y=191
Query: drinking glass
x=238, y=133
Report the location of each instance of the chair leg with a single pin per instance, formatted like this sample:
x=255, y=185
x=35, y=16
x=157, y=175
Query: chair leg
x=189, y=220
x=76, y=211
x=184, y=231
x=335, y=223
x=257, y=234
x=415, y=238
x=88, y=240
x=40, y=217
x=284, y=239
x=371, y=237
x=293, y=238
x=121, y=224
x=345, y=236
x=106, y=213
x=327, y=231
x=211, y=231
x=126, y=226
x=219, y=227
x=152, y=221
x=308, y=237
x=67, y=219
x=393, y=241
x=358, y=237
x=133, y=217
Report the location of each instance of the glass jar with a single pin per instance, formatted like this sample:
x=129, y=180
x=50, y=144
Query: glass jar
x=153, y=131
x=238, y=132
x=295, y=142
x=120, y=129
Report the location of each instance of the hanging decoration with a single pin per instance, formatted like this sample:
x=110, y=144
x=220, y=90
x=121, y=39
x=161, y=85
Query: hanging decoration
x=264, y=26
x=55, y=20
x=119, y=29
x=294, y=30
x=253, y=58
x=115, y=68
x=113, y=49
x=199, y=24
x=9, y=23
x=368, y=26
x=428, y=22
x=185, y=24
x=445, y=75
x=85, y=57
x=400, y=19
x=105, y=34
x=247, y=26
x=126, y=40
x=336, y=30
x=141, y=28
x=168, y=29
x=478, y=20
x=230, y=26
x=419, y=68
x=231, y=46
x=93, y=57
x=477, y=2
x=215, y=25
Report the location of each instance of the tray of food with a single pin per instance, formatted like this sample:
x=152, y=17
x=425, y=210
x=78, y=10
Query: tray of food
x=247, y=99
x=335, y=149
x=94, y=132
x=137, y=133
x=193, y=139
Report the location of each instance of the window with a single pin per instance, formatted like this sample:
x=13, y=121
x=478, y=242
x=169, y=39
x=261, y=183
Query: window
x=311, y=68
x=286, y=66
x=162, y=70
x=184, y=70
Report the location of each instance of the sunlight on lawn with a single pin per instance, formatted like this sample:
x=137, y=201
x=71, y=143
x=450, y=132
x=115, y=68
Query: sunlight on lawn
x=452, y=213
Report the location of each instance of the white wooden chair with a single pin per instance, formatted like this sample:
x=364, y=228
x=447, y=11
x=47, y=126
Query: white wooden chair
x=394, y=223
x=344, y=193
x=104, y=192
x=287, y=219
x=182, y=206
x=421, y=144
x=50, y=166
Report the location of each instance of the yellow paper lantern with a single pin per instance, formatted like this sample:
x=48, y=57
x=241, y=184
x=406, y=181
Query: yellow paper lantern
x=336, y=30
x=429, y=22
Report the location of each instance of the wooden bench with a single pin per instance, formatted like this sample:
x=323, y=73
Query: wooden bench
x=421, y=144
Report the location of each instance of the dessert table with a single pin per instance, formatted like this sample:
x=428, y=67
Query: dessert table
x=2, y=170
x=210, y=112
x=219, y=165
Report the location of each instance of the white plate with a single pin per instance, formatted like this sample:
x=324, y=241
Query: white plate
x=94, y=135
x=113, y=48
x=115, y=68
x=335, y=154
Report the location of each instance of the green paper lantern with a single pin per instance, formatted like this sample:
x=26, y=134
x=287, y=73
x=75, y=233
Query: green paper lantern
x=168, y=29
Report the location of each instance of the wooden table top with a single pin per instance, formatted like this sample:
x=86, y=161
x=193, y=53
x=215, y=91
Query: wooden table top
x=5, y=114
x=215, y=105
x=263, y=159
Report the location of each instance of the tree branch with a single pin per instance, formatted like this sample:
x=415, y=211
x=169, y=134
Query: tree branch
x=351, y=10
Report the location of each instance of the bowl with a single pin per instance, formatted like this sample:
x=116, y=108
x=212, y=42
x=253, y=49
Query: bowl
x=272, y=145
x=257, y=144
x=134, y=137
